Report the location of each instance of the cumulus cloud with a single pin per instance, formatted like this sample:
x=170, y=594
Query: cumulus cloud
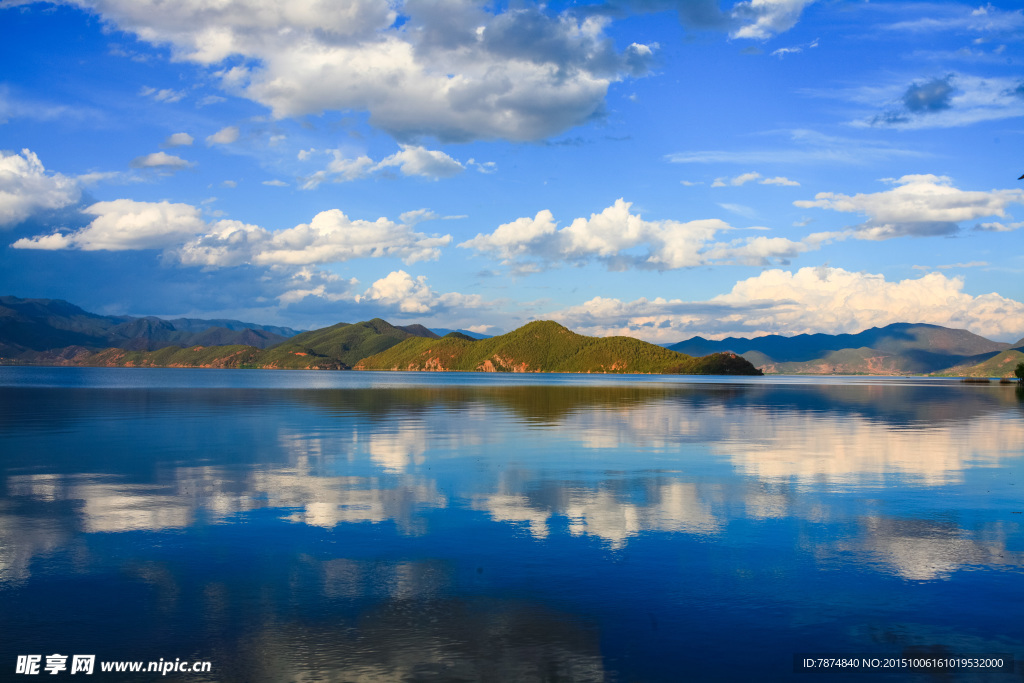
x=407, y=294
x=330, y=237
x=160, y=161
x=179, y=230
x=124, y=224
x=26, y=188
x=410, y=160
x=418, y=161
x=613, y=237
x=809, y=300
x=779, y=180
x=449, y=69
x=224, y=136
x=764, y=18
x=306, y=282
x=179, y=140
x=919, y=205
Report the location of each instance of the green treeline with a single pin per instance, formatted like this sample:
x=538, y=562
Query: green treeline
x=546, y=346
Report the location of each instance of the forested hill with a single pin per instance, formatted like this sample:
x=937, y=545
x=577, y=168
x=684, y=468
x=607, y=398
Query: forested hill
x=546, y=346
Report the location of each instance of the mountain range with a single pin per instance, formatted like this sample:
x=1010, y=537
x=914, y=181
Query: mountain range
x=896, y=349
x=38, y=331
x=41, y=325
x=55, y=332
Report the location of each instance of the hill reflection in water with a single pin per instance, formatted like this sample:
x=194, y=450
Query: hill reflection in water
x=425, y=531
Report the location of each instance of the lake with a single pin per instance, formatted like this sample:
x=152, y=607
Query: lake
x=349, y=526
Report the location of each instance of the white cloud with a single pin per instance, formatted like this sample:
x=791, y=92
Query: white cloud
x=329, y=238
x=737, y=181
x=180, y=231
x=779, y=180
x=996, y=226
x=745, y=178
x=163, y=95
x=411, y=160
x=614, y=235
x=452, y=70
x=969, y=264
x=919, y=205
x=124, y=224
x=740, y=210
x=406, y=294
x=179, y=140
x=418, y=216
x=418, y=161
x=311, y=282
x=764, y=18
x=275, y=183
x=160, y=160
x=211, y=99
x=26, y=188
x=960, y=17
x=340, y=170
x=809, y=300
x=224, y=136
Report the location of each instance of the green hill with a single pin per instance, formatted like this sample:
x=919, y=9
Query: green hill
x=337, y=347
x=344, y=344
x=546, y=346
x=234, y=356
x=1000, y=365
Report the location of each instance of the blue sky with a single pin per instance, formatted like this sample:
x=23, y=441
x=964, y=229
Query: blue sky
x=644, y=167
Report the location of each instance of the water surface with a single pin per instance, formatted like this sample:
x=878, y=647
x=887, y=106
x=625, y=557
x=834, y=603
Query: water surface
x=403, y=526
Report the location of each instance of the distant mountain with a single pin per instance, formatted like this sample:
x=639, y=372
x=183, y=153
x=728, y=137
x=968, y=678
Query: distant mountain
x=546, y=346
x=444, y=331
x=332, y=348
x=29, y=326
x=900, y=348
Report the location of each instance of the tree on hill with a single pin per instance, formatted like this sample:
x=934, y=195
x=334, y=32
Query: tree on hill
x=1019, y=372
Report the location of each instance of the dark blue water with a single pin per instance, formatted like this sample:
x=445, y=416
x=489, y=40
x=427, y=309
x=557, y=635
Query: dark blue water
x=318, y=526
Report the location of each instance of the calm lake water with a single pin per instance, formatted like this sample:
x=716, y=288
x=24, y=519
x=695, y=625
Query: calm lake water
x=318, y=526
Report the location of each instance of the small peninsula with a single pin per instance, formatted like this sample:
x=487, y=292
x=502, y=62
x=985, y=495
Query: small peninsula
x=546, y=346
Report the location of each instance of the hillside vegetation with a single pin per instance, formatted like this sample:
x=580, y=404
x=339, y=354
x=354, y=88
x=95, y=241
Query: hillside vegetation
x=546, y=346
x=343, y=344
x=1000, y=365
x=332, y=348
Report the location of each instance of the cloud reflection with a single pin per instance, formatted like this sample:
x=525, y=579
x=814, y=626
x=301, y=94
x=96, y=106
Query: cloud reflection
x=555, y=461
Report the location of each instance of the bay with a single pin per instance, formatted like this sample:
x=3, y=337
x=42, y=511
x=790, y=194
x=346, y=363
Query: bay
x=344, y=526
